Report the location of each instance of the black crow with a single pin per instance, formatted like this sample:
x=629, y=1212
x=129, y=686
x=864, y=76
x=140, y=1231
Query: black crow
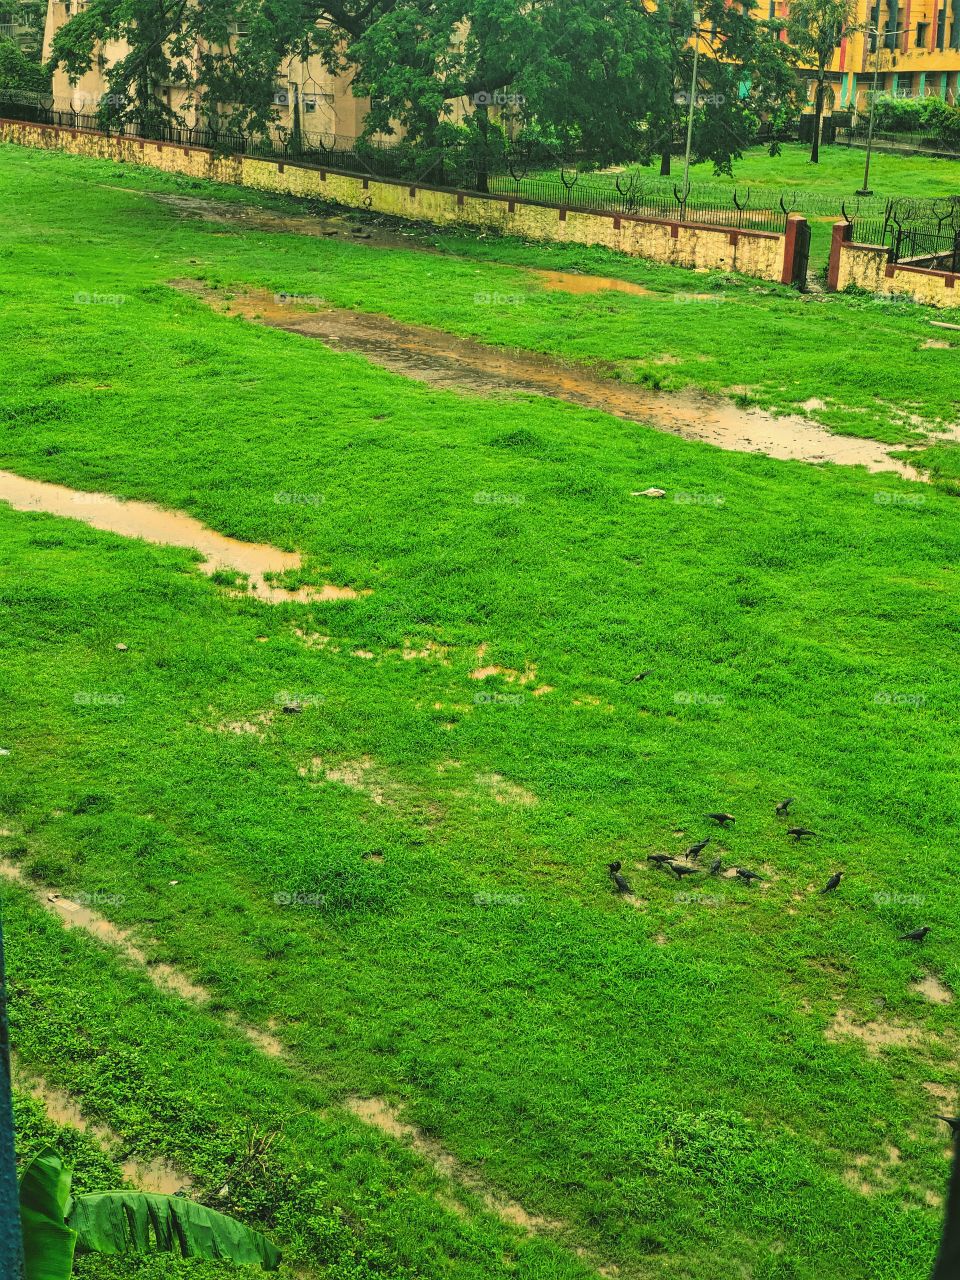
x=722, y=818
x=659, y=858
x=695, y=850
x=915, y=935
x=679, y=870
x=784, y=806
x=798, y=833
x=641, y=675
x=617, y=878
x=715, y=867
x=291, y=709
x=833, y=882
x=748, y=875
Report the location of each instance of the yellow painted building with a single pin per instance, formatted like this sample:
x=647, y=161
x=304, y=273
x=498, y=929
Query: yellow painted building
x=917, y=53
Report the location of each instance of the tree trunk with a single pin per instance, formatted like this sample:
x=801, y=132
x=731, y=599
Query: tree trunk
x=817, y=116
x=665, y=163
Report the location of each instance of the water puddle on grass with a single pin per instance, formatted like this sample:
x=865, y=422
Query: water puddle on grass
x=381, y=1115
x=575, y=282
x=169, y=528
x=463, y=364
x=157, y=1175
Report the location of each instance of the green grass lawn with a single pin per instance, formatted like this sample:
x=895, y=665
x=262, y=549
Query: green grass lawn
x=657, y=1079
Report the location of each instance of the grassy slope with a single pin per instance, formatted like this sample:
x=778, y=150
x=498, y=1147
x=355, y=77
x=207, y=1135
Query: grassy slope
x=677, y=1104
x=862, y=357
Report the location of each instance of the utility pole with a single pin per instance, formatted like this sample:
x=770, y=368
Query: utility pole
x=875, y=33
x=693, y=103
x=11, y=1244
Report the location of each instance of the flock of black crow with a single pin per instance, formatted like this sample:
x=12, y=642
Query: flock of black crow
x=680, y=869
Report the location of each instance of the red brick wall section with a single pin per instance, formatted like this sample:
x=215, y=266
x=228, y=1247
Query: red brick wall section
x=791, y=239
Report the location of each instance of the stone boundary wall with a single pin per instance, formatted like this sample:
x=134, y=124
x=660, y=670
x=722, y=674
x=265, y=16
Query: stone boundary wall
x=764, y=254
x=867, y=267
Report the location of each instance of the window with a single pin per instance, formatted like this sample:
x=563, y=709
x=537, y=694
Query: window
x=923, y=29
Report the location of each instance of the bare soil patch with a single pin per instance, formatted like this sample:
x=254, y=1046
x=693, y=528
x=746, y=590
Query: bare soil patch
x=463, y=364
x=156, y=1175
x=381, y=1115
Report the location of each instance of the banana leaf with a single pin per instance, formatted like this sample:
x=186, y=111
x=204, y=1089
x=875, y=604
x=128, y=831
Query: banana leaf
x=48, y=1243
x=114, y=1222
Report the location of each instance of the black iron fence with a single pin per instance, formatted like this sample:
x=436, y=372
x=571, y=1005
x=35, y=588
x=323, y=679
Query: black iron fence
x=524, y=171
x=856, y=135
x=925, y=233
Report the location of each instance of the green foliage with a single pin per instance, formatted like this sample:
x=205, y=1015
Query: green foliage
x=931, y=116
x=18, y=72
x=113, y=1222
x=48, y=1240
x=56, y=1224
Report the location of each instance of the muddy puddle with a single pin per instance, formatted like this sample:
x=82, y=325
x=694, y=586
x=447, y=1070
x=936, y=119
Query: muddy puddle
x=463, y=364
x=169, y=528
x=251, y=218
x=156, y=1175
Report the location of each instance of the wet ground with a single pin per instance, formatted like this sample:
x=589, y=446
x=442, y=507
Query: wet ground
x=171, y=528
x=462, y=364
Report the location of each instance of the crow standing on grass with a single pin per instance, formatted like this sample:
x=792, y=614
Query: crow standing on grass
x=833, y=882
x=724, y=819
x=659, y=858
x=747, y=876
x=679, y=870
x=784, y=806
x=799, y=833
x=617, y=878
x=641, y=675
x=695, y=850
x=715, y=867
x=915, y=935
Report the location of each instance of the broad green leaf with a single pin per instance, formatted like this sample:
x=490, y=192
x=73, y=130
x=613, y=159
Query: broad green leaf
x=138, y=1222
x=48, y=1243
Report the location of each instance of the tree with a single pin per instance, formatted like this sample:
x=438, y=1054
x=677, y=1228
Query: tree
x=743, y=80
x=57, y=1225
x=814, y=31
x=596, y=78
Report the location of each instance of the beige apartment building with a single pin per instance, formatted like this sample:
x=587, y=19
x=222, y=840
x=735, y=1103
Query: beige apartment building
x=326, y=101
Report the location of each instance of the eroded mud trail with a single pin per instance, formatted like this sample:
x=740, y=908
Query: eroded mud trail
x=463, y=364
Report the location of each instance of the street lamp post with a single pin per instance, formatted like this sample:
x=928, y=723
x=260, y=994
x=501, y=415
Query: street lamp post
x=693, y=103
x=876, y=33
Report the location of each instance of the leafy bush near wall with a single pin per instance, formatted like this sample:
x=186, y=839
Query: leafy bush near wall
x=919, y=115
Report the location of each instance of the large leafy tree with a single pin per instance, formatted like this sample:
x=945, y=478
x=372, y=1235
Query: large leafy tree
x=743, y=80
x=814, y=30
x=593, y=77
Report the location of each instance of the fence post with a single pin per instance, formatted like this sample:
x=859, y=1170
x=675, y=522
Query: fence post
x=794, y=249
x=842, y=234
